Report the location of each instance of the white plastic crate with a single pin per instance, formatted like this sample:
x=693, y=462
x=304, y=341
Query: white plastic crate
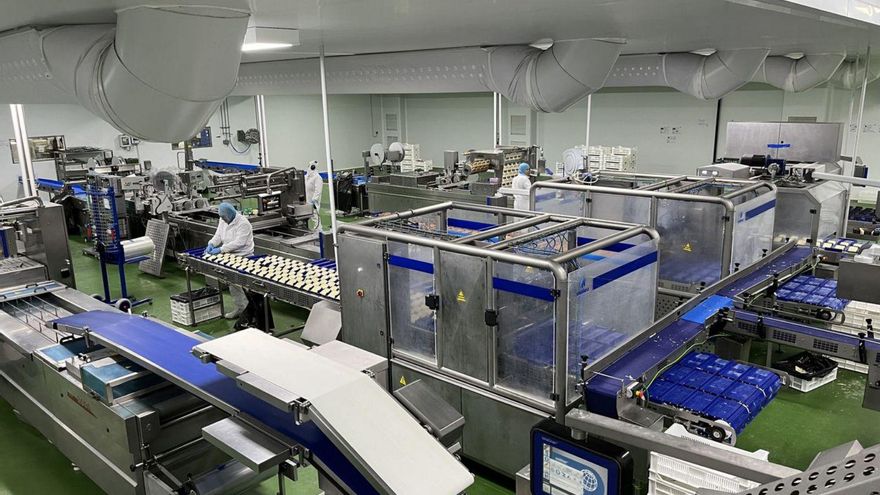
x=205, y=308
x=202, y=315
x=671, y=476
x=850, y=365
x=809, y=385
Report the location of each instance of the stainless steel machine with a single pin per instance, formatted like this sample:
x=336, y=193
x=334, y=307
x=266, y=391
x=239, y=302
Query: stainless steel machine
x=474, y=179
x=787, y=154
x=470, y=299
x=33, y=232
x=709, y=227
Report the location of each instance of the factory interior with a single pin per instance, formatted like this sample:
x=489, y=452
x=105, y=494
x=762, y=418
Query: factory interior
x=558, y=247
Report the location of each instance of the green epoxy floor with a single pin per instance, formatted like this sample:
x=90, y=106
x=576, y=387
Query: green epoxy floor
x=794, y=427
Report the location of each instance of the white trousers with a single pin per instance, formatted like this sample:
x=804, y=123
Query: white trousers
x=238, y=298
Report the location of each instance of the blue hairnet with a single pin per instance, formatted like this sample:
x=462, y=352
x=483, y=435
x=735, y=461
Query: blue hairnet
x=227, y=212
x=524, y=168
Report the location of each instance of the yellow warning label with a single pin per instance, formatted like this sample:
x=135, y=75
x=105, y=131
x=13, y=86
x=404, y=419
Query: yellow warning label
x=687, y=247
x=460, y=297
x=402, y=380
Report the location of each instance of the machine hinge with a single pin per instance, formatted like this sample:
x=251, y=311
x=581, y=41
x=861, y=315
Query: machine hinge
x=554, y=396
x=491, y=318
x=555, y=293
x=812, y=211
x=725, y=218
x=432, y=301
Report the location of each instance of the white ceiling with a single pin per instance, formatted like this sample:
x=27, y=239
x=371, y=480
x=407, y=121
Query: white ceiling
x=648, y=26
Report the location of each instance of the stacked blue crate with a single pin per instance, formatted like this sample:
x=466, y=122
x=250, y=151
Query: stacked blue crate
x=716, y=388
x=814, y=291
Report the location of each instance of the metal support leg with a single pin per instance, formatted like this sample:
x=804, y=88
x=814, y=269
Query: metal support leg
x=104, y=279
x=122, y=286
x=189, y=296
x=268, y=327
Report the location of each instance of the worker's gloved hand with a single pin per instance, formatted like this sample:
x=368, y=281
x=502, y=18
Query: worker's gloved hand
x=212, y=250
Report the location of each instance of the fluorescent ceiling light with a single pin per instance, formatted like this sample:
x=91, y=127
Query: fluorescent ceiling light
x=259, y=47
x=258, y=39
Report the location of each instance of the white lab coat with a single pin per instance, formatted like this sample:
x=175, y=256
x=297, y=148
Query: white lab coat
x=236, y=237
x=521, y=200
x=314, y=188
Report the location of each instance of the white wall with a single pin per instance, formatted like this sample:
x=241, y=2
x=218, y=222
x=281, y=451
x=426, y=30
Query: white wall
x=81, y=128
x=296, y=130
x=448, y=122
x=672, y=131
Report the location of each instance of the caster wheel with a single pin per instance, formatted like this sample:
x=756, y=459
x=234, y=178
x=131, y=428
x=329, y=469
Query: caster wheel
x=123, y=305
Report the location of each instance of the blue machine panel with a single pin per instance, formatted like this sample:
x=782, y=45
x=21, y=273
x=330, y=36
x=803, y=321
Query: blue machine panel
x=716, y=388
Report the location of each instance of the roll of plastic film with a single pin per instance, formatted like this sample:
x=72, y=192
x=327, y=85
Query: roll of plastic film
x=141, y=246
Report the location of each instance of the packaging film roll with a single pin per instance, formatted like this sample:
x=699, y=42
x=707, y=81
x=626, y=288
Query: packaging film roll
x=141, y=246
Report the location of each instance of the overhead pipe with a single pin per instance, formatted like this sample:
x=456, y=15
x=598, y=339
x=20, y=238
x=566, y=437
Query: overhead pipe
x=851, y=74
x=554, y=79
x=155, y=84
x=801, y=74
x=707, y=77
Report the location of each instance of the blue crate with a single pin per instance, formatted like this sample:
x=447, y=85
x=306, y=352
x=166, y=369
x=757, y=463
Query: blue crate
x=735, y=370
x=835, y=303
x=699, y=401
x=696, y=379
x=747, y=395
x=731, y=412
x=677, y=373
x=717, y=385
x=659, y=390
x=716, y=389
x=815, y=299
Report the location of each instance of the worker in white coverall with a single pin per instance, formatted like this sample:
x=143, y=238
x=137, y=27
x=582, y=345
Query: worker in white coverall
x=314, y=189
x=235, y=236
x=521, y=184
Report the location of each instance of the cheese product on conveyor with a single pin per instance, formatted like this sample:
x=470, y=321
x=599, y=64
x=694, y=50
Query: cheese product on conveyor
x=308, y=277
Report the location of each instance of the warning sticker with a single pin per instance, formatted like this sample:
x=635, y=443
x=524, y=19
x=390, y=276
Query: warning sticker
x=460, y=297
x=687, y=247
x=402, y=380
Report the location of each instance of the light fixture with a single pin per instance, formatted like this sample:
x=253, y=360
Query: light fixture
x=259, y=39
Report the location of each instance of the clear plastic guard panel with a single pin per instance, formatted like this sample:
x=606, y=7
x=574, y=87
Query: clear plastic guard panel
x=833, y=208
x=610, y=301
x=691, y=238
x=525, y=333
x=752, y=230
x=620, y=208
x=560, y=201
x=413, y=323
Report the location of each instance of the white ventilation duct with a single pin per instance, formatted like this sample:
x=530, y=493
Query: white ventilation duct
x=156, y=84
x=802, y=74
x=551, y=80
x=850, y=74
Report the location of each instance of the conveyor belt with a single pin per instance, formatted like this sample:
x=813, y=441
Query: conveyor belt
x=167, y=352
x=602, y=389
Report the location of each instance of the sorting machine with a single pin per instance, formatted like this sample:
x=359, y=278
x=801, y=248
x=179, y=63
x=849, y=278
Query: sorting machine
x=709, y=227
x=480, y=302
x=474, y=179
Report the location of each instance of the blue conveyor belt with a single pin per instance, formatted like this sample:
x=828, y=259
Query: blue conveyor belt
x=601, y=390
x=167, y=352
